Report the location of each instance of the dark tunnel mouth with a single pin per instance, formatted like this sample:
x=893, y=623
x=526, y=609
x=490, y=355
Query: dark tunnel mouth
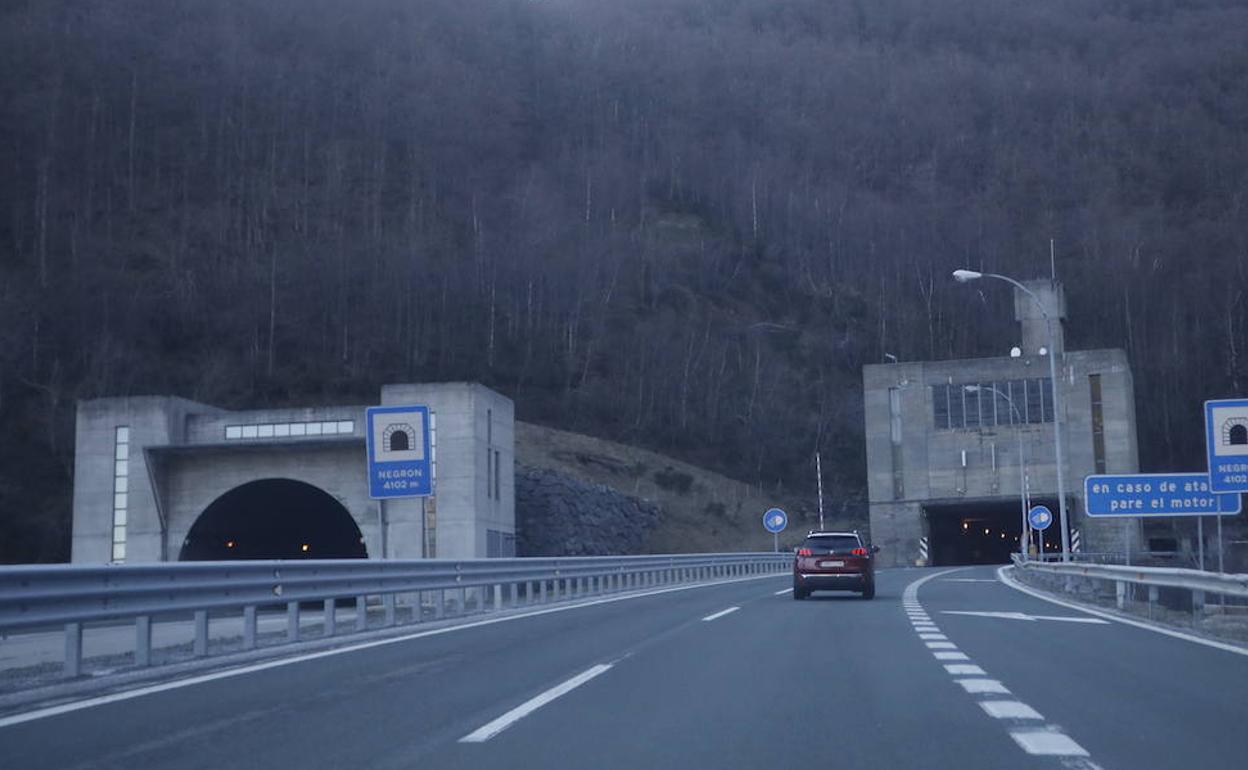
x=957, y=535
x=274, y=519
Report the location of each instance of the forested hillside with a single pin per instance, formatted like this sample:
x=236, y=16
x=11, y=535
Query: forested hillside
x=683, y=224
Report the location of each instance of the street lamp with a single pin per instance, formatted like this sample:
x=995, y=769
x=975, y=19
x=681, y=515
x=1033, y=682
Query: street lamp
x=964, y=276
x=1023, y=538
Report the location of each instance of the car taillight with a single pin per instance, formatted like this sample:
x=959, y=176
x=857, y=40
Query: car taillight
x=859, y=552
x=803, y=552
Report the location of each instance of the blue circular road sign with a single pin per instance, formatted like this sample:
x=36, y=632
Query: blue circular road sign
x=1040, y=517
x=775, y=520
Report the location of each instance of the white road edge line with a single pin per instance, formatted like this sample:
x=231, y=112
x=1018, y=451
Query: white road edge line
x=785, y=591
x=490, y=729
x=720, y=614
x=1004, y=577
x=102, y=700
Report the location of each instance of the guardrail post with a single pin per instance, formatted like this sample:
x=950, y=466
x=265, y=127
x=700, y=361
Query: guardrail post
x=361, y=613
x=1198, y=607
x=292, y=621
x=513, y=589
x=541, y=591
x=143, y=640
x=330, y=618
x=73, y=649
x=1152, y=600
x=1120, y=593
x=498, y=596
x=387, y=602
x=439, y=603
x=249, y=627
x=201, y=633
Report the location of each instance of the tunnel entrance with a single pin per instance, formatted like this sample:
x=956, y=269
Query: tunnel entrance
x=274, y=519
x=981, y=532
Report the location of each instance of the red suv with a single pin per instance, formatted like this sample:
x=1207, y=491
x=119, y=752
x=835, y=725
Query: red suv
x=834, y=561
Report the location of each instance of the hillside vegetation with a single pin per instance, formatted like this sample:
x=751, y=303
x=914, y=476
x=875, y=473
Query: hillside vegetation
x=678, y=224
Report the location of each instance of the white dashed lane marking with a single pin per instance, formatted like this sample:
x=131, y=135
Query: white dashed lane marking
x=1009, y=709
x=1048, y=743
x=964, y=669
x=983, y=686
x=720, y=614
x=1042, y=741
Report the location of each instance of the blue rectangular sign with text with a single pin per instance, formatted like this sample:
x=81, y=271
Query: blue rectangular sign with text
x=1156, y=494
x=399, y=457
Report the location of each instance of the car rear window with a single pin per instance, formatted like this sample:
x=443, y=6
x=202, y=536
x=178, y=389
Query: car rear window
x=819, y=544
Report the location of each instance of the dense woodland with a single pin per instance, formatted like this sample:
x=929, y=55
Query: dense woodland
x=684, y=224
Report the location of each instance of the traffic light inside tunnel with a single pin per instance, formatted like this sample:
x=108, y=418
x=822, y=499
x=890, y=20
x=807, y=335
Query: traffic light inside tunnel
x=274, y=519
x=981, y=532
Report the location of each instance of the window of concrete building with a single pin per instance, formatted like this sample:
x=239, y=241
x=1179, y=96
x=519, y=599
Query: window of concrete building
x=989, y=405
x=1098, y=423
x=121, y=489
x=894, y=431
x=497, y=462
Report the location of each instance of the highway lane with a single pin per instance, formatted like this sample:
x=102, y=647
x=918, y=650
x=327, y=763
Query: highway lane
x=729, y=676
x=1131, y=697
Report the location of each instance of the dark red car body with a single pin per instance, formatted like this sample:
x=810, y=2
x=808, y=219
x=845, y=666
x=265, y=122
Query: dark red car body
x=834, y=561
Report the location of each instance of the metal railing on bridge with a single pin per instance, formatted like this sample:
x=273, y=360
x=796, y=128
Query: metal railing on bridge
x=385, y=593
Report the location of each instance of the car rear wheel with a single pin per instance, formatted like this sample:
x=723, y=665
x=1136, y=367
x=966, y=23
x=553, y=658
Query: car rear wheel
x=799, y=594
x=869, y=591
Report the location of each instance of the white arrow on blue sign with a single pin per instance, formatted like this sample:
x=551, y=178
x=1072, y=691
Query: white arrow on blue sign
x=775, y=520
x=1040, y=517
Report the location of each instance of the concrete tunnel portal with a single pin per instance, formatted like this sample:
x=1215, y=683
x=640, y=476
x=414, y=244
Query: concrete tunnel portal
x=274, y=519
x=982, y=532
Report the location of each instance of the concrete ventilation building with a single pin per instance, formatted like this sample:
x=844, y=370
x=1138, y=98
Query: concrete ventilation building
x=944, y=441
x=159, y=478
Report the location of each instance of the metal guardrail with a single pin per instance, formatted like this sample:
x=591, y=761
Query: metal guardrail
x=69, y=596
x=1164, y=577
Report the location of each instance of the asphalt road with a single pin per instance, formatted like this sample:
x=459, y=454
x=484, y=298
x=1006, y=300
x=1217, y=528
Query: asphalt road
x=671, y=680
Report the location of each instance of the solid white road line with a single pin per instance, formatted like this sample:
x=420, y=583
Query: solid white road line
x=983, y=686
x=964, y=669
x=139, y=692
x=785, y=591
x=1048, y=743
x=720, y=614
x=490, y=729
x=1003, y=574
x=1009, y=709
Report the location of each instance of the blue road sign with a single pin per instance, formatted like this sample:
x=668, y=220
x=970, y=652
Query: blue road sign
x=399, y=461
x=1226, y=442
x=1156, y=494
x=775, y=520
x=1040, y=517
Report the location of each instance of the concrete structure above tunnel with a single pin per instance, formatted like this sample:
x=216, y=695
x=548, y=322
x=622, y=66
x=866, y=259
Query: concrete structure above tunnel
x=148, y=467
x=937, y=450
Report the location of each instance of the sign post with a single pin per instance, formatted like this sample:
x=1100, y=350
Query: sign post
x=774, y=521
x=1226, y=442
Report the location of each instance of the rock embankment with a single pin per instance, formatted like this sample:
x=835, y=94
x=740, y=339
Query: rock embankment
x=557, y=515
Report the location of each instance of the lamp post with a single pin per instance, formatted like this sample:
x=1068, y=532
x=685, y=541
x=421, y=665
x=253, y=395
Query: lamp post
x=964, y=276
x=1023, y=538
